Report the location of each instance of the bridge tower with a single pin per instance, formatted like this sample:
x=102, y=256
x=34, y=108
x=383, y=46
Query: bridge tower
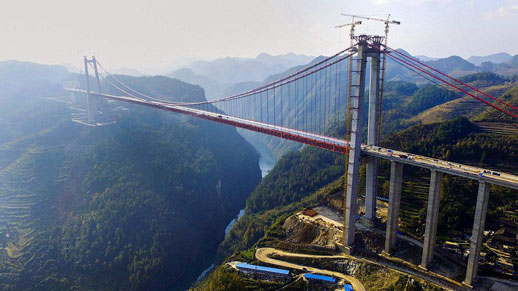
x=373, y=135
x=357, y=100
x=91, y=100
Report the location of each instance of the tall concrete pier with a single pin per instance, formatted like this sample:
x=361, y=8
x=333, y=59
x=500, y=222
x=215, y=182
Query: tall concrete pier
x=396, y=183
x=478, y=233
x=432, y=216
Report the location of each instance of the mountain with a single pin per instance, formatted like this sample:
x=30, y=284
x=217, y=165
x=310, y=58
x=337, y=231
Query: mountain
x=426, y=58
x=452, y=65
x=493, y=58
x=71, y=68
x=127, y=71
x=311, y=92
x=141, y=204
x=465, y=105
x=491, y=114
x=23, y=79
x=213, y=89
x=288, y=60
x=235, y=70
x=513, y=61
x=269, y=223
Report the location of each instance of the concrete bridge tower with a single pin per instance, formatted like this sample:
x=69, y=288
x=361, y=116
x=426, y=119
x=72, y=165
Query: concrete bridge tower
x=357, y=100
x=91, y=100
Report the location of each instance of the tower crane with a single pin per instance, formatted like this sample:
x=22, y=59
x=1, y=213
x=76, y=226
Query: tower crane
x=387, y=21
x=352, y=25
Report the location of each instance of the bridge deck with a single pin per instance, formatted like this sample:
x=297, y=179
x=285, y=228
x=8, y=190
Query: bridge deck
x=328, y=143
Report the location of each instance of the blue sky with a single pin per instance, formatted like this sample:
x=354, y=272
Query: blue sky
x=149, y=34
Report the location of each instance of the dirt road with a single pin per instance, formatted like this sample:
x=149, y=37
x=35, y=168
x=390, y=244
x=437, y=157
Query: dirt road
x=262, y=255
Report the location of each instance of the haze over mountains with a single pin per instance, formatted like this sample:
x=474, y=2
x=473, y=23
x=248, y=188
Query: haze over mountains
x=453, y=65
x=113, y=207
x=494, y=58
x=216, y=76
x=223, y=76
x=122, y=205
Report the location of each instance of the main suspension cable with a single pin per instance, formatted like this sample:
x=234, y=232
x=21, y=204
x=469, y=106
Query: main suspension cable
x=448, y=83
x=456, y=80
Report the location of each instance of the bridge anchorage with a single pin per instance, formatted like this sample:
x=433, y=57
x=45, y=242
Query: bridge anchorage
x=303, y=105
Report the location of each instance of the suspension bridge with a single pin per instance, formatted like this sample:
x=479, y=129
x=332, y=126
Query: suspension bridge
x=306, y=106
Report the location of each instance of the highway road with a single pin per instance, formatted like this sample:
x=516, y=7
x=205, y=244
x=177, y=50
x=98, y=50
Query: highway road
x=262, y=255
x=333, y=144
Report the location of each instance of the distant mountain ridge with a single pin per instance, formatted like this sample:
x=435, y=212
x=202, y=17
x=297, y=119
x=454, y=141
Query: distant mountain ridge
x=127, y=71
x=235, y=70
x=217, y=76
x=494, y=58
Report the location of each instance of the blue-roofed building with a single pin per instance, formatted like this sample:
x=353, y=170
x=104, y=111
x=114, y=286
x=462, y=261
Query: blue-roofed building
x=264, y=272
x=348, y=287
x=325, y=279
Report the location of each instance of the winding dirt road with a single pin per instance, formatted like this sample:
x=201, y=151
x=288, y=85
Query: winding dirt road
x=263, y=253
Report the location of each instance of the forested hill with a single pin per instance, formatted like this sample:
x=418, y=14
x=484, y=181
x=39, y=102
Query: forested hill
x=491, y=114
x=307, y=177
x=141, y=204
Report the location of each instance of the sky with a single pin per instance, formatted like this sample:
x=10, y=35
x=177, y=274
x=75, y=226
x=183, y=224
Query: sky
x=152, y=35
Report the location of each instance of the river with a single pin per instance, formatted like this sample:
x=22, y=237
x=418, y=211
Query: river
x=266, y=163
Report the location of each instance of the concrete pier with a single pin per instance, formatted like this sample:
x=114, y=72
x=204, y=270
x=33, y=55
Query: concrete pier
x=358, y=92
x=432, y=216
x=396, y=183
x=372, y=139
x=477, y=234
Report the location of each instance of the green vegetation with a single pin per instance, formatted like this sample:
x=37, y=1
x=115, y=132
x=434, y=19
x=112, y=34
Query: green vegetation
x=485, y=79
x=137, y=205
x=453, y=64
x=427, y=97
x=459, y=141
x=142, y=204
x=151, y=205
x=295, y=175
x=263, y=229
x=492, y=114
x=402, y=101
x=255, y=226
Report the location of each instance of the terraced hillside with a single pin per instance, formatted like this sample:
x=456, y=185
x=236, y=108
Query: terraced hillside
x=90, y=208
x=34, y=173
x=465, y=106
x=504, y=128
